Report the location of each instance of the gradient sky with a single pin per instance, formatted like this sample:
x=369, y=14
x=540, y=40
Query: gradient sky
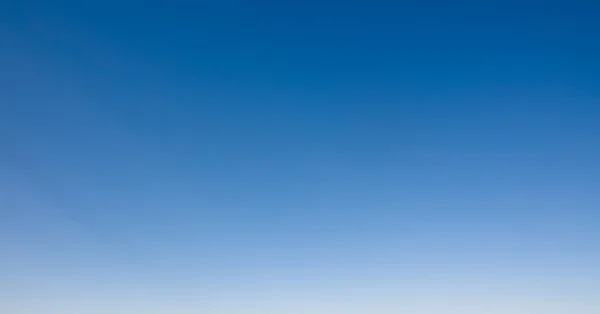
x=310, y=157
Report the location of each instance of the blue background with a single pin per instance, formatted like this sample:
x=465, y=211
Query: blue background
x=274, y=146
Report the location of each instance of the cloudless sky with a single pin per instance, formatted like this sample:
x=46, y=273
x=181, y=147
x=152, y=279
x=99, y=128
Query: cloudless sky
x=300, y=157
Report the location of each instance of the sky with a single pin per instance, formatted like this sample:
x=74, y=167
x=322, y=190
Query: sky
x=300, y=157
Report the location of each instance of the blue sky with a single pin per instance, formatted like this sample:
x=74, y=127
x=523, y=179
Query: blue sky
x=299, y=157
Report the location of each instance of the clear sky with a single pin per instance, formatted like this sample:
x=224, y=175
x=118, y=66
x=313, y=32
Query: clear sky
x=300, y=157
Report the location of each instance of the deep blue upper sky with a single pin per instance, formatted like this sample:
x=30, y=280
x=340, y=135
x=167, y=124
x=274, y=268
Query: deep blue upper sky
x=318, y=123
